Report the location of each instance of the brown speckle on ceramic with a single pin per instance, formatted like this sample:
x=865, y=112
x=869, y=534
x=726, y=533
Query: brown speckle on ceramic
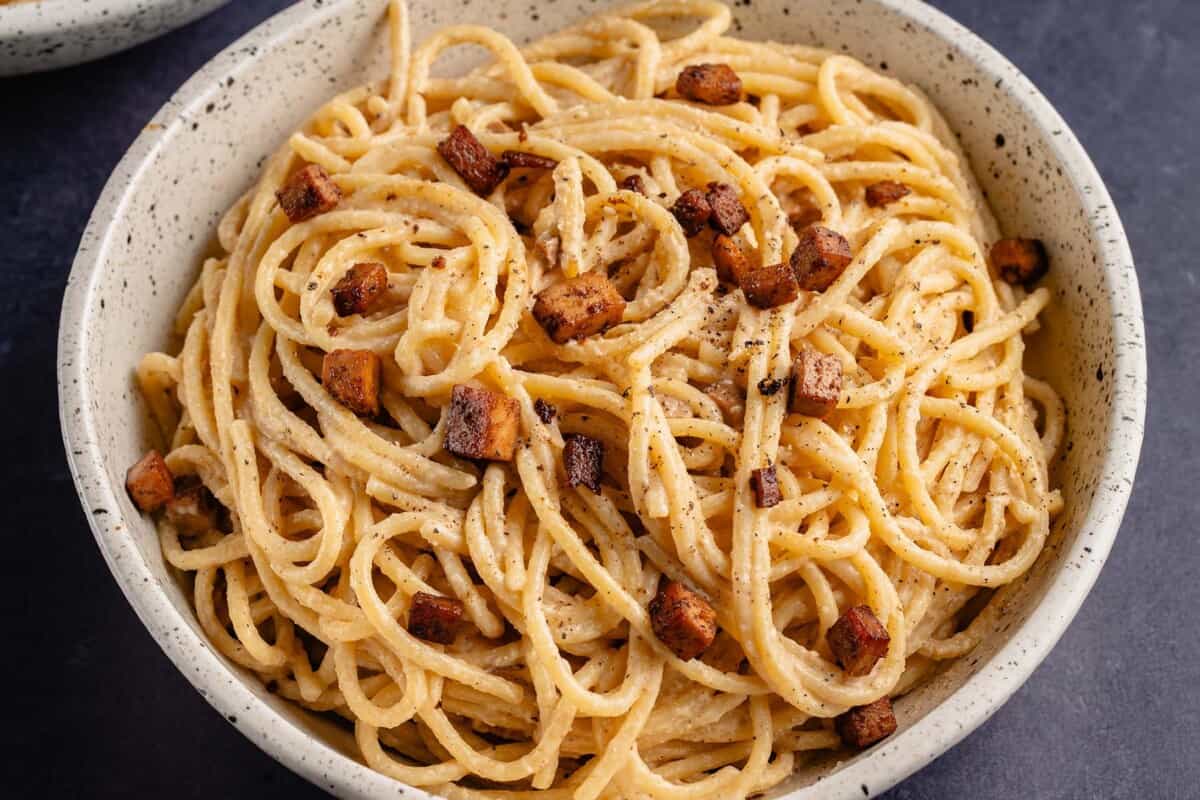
x=146, y=239
x=48, y=34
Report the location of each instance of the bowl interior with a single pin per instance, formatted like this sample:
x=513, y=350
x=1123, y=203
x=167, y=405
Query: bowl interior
x=157, y=217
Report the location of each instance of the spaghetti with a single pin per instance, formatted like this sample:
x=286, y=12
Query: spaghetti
x=925, y=490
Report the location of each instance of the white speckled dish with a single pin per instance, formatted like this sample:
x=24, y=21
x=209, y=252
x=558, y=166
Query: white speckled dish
x=37, y=35
x=156, y=218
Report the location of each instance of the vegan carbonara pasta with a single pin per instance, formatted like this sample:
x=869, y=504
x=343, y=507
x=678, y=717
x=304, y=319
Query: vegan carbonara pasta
x=629, y=417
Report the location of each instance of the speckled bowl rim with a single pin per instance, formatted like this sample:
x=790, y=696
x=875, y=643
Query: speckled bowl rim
x=33, y=18
x=50, y=34
x=937, y=731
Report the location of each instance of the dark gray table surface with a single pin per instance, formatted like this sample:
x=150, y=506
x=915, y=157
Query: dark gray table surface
x=1113, y=712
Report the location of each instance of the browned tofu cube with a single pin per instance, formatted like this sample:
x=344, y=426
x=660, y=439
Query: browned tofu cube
x=682, y=620
x=516, y=159
x=193, y=509
x=149, y=482
x=765, y=484
x=819, y=258
x=712, y=84
x=692, y=211
x=816, y=384
x=482, y=424
x=863, y=726
x=634, y=183
x=769, y=286
x=730, y=398
x=1020, y=261
x=474, y=163
x=434, y=618
x=729, y=259
x=359, y=288
x=884, y=193
x=309, y=192
x=353, y=378
x=583, y=459
x=858, y=639
x=728, y=214
x=579, y=307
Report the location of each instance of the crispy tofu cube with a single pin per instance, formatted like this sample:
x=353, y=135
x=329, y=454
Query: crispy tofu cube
x=473, y=162
x=816, y=384
x=820, y=258
x=1020, y=261
x=149, y=482
x=711, y=84
x=517, y=159
x=765, y=483
x=863, y=726
x=728, y=214
x=858, y=640
x=691, y=210
x=359, y=288
x=309, y=192
x=579, y=307
x=683, y=620
x=769, y=286
x=353, y=378
x=435, y=618
x=583, y=459
x=482, y=424
x=729, y=259
x=884, y=193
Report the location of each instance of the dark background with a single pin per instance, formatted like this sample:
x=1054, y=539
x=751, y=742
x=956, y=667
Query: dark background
x=1113, y=712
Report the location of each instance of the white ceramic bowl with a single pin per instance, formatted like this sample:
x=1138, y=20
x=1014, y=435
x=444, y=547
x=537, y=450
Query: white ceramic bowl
x=36, y=35
x=156, y=217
